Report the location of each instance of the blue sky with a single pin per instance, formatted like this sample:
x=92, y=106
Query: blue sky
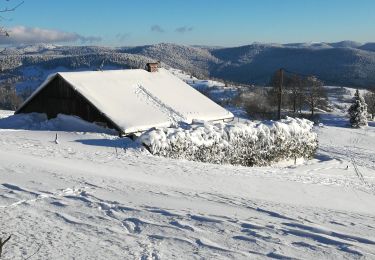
x=205, y=22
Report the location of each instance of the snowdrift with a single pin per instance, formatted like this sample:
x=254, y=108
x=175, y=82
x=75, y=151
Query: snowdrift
x=39, y=121
x=246, y=144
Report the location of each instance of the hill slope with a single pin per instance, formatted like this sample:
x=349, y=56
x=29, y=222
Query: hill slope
x=344, y=63
x=336, y=66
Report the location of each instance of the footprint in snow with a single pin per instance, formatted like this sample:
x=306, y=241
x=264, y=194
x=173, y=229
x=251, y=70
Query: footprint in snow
x=132, y=225
x=181, y=225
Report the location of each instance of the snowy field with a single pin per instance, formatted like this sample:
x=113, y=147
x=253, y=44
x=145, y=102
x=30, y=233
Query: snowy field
x=94, y=196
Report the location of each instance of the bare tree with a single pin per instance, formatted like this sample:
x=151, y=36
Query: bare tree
x=292, y=92
x=8, y=97
x=277, y=92
x=370, y=101
x=2, y=243
x=257, y=104
x=4, y=32
x=316, y=95
x=301, y=95
x=288, y=92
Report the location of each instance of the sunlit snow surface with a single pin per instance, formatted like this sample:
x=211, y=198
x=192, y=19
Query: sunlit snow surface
x=94, y=196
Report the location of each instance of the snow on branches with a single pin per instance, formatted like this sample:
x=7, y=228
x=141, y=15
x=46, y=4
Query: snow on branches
x=246, y=144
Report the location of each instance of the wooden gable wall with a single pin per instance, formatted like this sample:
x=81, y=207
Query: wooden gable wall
x=59, y=97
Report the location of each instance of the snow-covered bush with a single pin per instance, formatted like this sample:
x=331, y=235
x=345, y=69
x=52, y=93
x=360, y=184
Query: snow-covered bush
x=358, y=111
x=245, y=144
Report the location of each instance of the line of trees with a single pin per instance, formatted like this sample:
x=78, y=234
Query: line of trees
x=289, y=94
x=296, y=93
x=292, y=94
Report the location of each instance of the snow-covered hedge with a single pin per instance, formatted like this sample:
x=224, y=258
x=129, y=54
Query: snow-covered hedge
x=245, y=144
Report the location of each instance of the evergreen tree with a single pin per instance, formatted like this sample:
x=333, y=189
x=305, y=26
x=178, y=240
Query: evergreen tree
x=358, y=111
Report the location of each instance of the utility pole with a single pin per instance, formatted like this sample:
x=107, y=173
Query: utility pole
x=281, y=82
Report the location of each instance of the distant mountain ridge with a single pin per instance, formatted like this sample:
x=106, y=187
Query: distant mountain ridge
x=344, y=63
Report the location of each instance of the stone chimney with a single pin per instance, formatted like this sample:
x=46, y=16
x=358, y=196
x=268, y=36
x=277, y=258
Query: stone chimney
x=153, y=66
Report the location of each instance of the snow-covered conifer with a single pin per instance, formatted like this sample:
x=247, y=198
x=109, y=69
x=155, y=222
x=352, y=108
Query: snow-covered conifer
x=358, y=111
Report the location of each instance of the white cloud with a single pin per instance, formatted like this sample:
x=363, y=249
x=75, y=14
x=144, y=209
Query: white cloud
x=184, y=29
x=30, y=35
x=157, y=28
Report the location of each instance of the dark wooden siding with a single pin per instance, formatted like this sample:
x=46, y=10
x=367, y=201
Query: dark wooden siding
x=58, y=97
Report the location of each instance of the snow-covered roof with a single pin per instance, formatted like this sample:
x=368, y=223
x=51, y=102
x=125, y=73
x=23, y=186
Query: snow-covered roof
x=136, y=100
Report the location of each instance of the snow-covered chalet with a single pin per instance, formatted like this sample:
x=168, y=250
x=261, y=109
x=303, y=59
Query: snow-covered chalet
x=129, y=101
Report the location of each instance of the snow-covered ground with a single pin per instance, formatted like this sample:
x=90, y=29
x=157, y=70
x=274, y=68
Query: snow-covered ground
x=215, y=90
x=94, y=196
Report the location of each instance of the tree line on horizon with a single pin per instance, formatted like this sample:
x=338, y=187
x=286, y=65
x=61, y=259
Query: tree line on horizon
x=295, y=95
